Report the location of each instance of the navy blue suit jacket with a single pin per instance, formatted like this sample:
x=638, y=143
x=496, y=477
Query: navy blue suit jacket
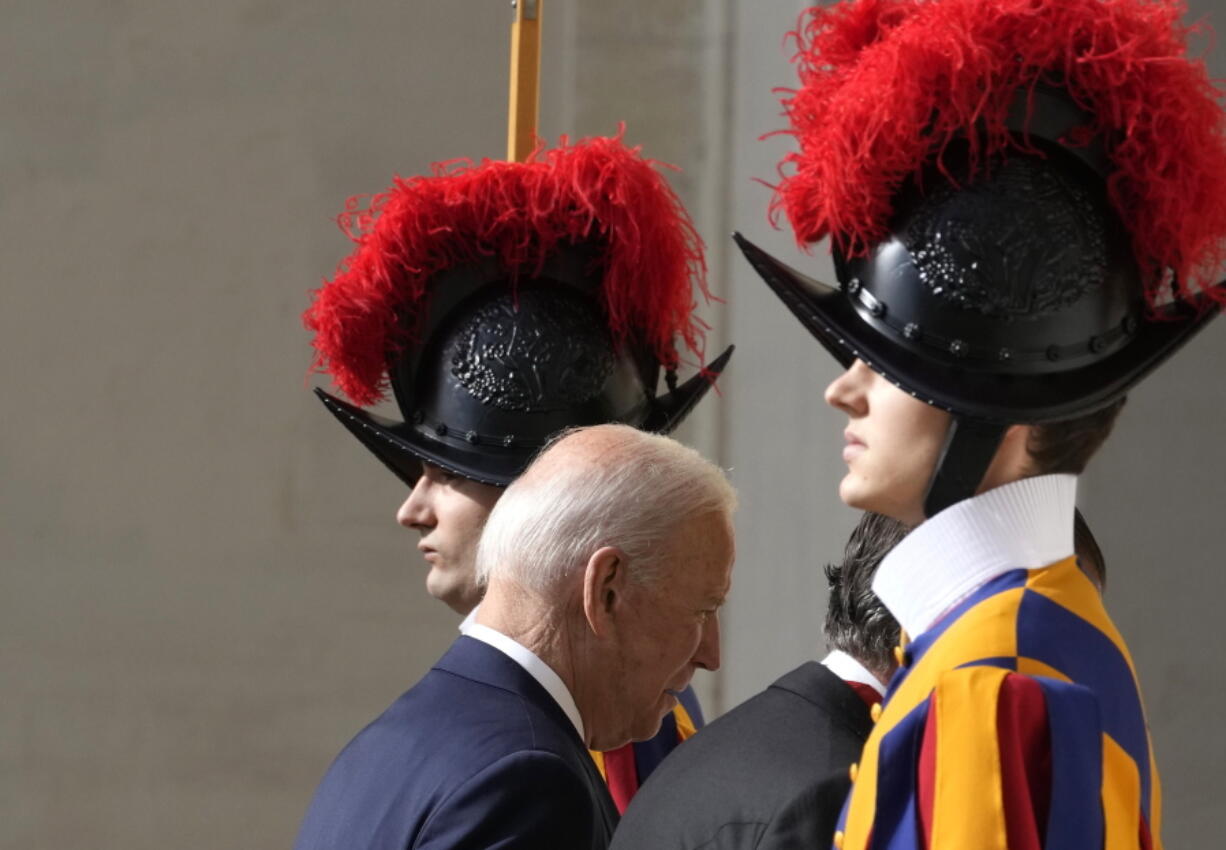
x=475, y=755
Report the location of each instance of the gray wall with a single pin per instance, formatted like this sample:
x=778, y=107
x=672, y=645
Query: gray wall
x=204, y=594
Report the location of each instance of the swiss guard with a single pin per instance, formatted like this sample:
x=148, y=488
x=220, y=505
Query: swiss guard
x=502, y=302
x=1026, y=206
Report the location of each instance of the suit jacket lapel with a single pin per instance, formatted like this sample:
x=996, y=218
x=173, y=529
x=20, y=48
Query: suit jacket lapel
x=481, y=662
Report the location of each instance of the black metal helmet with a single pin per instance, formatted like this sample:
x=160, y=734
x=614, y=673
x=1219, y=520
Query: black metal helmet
x=488, y=357
x=501, y=370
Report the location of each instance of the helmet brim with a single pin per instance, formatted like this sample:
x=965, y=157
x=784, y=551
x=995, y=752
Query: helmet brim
x=403, y=447
x=831, y=316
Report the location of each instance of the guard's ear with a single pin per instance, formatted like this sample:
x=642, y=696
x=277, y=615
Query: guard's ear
x=1019, y=434
x=604, y=585
x=1016, y=445
x=1012, y=458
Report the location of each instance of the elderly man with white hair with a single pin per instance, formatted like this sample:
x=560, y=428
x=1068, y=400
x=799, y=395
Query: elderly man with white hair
x=607, y=562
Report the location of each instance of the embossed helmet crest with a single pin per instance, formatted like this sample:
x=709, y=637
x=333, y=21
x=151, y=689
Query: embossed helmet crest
x=979, y=250
x=561, y=356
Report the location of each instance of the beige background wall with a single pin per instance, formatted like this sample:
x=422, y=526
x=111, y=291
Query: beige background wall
x=203, y=592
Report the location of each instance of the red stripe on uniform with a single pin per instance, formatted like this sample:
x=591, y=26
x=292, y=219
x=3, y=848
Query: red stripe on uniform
x=1025, y=761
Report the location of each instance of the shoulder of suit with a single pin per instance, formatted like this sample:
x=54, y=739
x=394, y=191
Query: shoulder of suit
x=745, y=764
x=444, y=709
x=792, y=813
x=536, y=797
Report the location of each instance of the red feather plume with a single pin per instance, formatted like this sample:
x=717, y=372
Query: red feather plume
x=885, y=84
x=518, y=212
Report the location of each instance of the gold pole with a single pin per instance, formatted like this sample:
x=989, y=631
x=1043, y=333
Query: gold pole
x=525, y=79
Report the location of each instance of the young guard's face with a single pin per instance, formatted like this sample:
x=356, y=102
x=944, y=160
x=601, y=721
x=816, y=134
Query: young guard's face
x=892, y=443
x=449, y=512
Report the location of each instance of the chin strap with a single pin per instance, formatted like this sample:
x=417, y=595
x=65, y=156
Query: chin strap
x=970, y=445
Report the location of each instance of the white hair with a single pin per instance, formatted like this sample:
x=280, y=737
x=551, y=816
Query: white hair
x=629, y=495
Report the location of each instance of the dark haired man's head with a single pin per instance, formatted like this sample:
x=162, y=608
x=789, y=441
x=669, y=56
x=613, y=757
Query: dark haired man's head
x=856, y=620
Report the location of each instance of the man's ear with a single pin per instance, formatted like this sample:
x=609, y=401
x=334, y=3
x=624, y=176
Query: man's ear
x=1012, y=459
x=604, y=584
x=1017, y=441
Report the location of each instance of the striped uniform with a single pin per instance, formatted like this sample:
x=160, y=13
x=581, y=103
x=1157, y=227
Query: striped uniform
x=1016, y=722
x=627, y=768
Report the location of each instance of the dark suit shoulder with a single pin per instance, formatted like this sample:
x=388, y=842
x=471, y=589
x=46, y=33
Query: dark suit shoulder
x=806, y=818
x=485, y=712
x=734, y=778
x=529, y=800
x=807, y=715
x=439, y=738
x=456, y=721
x=809, y=817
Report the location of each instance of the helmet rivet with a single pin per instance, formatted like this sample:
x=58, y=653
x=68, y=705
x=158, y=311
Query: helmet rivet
x=911, y=331
x=441, y=429
x=1053, y=353
x=508, y=440
x=1005, y=354
x=1130, y=325
x=957, y=348
x=853, y=285
x=472, y=437
x=877, y=310
x=1097, y=344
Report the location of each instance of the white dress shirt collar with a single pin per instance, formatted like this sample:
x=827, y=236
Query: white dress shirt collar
x=1021, y=525
x=849, y=669
x=535, y=667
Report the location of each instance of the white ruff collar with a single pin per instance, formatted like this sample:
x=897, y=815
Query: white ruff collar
x=1021, y=525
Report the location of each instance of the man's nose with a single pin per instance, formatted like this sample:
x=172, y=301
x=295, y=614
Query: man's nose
x=416, y=511
x=846, y=392
x=707, y=654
